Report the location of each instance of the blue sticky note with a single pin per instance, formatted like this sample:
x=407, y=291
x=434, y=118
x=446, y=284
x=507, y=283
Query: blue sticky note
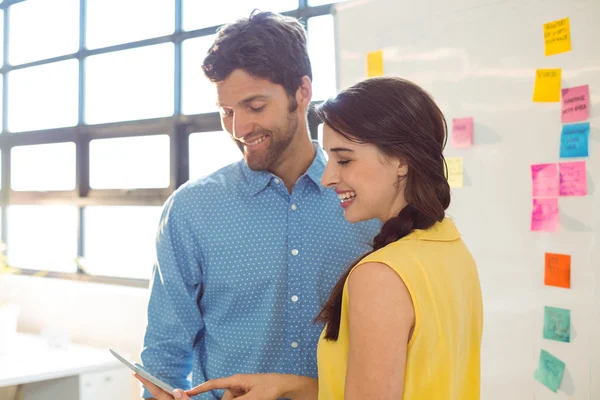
x=550, y=371
x=574, y=140
x=557, y=324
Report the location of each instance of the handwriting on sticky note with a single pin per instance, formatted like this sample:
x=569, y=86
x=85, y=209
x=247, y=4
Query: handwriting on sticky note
x=545, y=180
x=462, y=132
x=574, y=140
x=557, y=37
x=375, y=63
x=550, y=371
x=573, y=181
x=455, y=172
x=544, y=215
x=575, y=104
x=557, y=270
x=547, y=85
x=557, y=324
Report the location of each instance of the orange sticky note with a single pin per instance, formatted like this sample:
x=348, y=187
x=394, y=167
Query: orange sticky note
x=558, y=270
x=375, y=63
x=547, y=85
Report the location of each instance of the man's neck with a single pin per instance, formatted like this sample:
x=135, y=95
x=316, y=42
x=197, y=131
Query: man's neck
x=297, y=162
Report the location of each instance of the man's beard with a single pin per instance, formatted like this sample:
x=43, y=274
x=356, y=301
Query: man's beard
x=279, y=144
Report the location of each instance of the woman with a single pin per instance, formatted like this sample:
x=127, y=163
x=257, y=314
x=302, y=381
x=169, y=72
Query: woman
x=405, y=321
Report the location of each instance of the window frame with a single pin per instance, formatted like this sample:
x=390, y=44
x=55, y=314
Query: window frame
x=178, y=127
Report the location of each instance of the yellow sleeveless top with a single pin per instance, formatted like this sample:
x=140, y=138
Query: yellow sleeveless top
x=443, y=358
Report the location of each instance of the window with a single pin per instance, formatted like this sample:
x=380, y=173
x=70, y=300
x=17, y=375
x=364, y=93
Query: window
x=199, y=95
x=41, y=29
x=42, y=237
x=130, y=163
x=197, y=14
x=313, y=3
x=120, y=241
x=43, y=97
x=210, y=151
x=321, y=50
x=95, y=147
x=43, y=167
x=130, y=84
x=112, y=22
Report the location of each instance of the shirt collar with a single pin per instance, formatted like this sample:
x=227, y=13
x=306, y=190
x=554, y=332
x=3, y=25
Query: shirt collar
x=444, y=231
x=258, y=180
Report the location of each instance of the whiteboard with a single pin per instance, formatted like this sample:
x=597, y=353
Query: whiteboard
x=478, y=58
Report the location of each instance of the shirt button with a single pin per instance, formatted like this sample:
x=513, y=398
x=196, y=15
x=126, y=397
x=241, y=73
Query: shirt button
x=294, y=298
x=277, y=181
x=294, y=252
x=294, y=345
x=294, y=207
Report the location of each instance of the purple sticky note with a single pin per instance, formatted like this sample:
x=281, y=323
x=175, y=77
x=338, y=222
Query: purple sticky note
x=462, y=132
x=544, y=215
x=572, y=179
x=575, y=103
x=545, y=180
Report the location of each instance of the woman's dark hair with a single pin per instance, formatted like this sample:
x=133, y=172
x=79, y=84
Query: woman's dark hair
x=402, y=121
x=265, y=45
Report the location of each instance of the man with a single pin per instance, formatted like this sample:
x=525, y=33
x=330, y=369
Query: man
x=247, y=255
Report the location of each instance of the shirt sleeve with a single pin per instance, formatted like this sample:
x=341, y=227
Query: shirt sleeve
x=174, y=317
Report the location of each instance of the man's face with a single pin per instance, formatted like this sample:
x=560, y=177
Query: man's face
x=260, y=116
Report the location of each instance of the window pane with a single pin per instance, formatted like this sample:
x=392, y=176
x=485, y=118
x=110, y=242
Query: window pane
x=42, y=237
x=43, y=97
x=322, y=2
x=43, y=167
x=210, y=151
x=130, y=84
x=111, y=22
x=120, y=164
x=321, y=49
x=119, y=241
x=199, y=95
x=196, y=14
x=41, y=29
x=1, y=34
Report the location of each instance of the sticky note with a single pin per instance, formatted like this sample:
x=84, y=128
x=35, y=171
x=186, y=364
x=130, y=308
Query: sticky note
x=455, y=172
x=462, y=132
x=557, y=270
x=574, y=140
x=375, y=63
x=544, y=215
x=550, y=371
x=545, y=180
x=572, y=177
x=557, y=324
x=557, y=37
x=575, y=104
x=547, y=85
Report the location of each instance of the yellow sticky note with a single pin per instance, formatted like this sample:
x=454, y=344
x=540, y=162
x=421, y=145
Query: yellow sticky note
x=557, y=37
x=547, y=85
x=455, y=171
x=375, y=63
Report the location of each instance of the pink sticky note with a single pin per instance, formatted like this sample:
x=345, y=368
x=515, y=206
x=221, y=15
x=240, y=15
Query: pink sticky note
x=462, y=132
x=544, y=215
x=575, y=103
x=572, y=179
x=545, y=180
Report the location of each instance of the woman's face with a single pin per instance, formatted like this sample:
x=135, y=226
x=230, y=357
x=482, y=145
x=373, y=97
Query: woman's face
x=369, y=184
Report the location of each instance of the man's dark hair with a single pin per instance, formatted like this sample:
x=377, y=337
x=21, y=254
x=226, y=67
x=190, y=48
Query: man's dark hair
x=265, y=45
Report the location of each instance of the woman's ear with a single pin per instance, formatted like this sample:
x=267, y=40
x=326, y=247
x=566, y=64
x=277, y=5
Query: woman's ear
x=402, y=168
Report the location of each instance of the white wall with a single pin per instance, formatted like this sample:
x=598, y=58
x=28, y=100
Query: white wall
x=94, y=314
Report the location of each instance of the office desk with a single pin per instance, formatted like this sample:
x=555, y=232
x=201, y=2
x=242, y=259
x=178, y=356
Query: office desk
x=72, y=372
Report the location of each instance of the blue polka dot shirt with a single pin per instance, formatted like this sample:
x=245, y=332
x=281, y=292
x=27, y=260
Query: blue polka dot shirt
x=243, y=268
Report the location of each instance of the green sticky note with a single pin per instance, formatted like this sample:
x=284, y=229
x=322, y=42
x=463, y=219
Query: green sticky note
x=557, y=324
x=550, y=371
